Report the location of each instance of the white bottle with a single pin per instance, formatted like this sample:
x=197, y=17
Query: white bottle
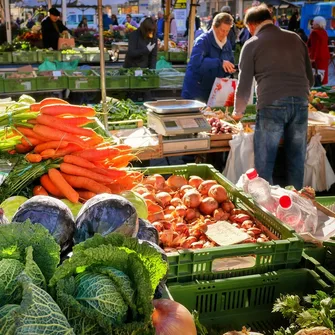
x=259, y=189
x=289, y=213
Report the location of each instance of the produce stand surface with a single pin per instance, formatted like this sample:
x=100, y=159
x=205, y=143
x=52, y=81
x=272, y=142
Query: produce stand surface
x=283, y=251
x=232, y=303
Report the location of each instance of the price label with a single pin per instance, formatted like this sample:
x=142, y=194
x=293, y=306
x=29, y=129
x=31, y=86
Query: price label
x=138, y=73
x=188, y=123
x=57, y=73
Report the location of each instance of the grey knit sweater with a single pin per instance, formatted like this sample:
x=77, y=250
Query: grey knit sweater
x=279, y=61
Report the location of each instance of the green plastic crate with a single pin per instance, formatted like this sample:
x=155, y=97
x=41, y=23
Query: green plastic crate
x=204, y=264
x=328, y=202
x=151, y=81
x=178, y=57
x=71, y=57
x=164, y=54
x=95, y=57
x=46, y=81
x=2, y=82
x=24, y=57
x=229, y=304
x=91, y=81
x=49, y=55
x=6, y=58
x=116, y=81
x=20, y=85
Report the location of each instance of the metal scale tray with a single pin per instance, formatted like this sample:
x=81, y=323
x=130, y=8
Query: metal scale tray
x=174, y=106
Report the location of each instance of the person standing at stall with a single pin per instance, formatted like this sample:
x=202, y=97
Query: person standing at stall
x=52, y=29
x=318, y=46
x=173, y=27
x=211, y=58
x=278, y=60
x=142, y=46
x=160, y=25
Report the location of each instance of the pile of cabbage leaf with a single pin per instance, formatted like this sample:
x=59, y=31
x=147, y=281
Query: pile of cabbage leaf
x=105, y=287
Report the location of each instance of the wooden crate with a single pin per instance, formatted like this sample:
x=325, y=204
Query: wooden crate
x=327, y=133
x=222, y=140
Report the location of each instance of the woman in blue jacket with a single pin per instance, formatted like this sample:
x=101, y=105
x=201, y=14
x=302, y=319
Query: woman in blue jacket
x=211, y=58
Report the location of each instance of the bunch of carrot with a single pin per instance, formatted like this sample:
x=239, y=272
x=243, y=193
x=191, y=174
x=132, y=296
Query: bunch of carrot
x=88, y=164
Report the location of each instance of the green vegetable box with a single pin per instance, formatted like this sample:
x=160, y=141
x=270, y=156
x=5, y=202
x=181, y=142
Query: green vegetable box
x=2, y=82
x=25, y=57
x=51, y=80
x=6, y=58
x=93, y=57
x=83, y=80
x=20, y=82
x=50, y=55
x=70, y=55
x=143, y=78
x=283, y=251
x=231, y=303
x=117, y=79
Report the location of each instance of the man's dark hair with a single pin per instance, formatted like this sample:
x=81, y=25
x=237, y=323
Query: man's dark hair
x=148, y=25
x=257, y=14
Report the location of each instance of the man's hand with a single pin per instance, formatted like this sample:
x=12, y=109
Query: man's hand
x=228, y=67
x=237, y=117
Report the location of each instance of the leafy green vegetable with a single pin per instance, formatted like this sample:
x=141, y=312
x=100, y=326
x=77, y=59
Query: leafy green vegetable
x=138, y=201
x=314, y=310
x=7, y=320
x=108, y=285
x=33, y=271
x=11, y=205
x=16, y=237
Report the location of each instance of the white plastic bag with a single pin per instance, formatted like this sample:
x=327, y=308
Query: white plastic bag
x=241, y=156
x=318, y=172
x=221, y=89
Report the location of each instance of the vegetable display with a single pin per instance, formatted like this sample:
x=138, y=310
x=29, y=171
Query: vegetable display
x=181, y=210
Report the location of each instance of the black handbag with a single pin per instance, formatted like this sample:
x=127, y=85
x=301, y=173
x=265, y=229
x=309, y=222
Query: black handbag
x=317, y=76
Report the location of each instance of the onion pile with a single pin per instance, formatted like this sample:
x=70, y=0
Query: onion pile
x=219, y=127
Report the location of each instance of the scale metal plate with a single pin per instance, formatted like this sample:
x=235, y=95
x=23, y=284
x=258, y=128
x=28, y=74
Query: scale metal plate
x=174, y=106
x=178, y=124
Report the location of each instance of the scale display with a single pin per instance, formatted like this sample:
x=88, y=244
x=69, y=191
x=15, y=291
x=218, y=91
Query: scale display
x=169, y=125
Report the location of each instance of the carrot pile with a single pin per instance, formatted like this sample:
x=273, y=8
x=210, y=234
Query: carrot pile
x=86, y=164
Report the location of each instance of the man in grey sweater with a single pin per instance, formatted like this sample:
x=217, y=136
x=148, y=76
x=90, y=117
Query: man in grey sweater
x=278, y=60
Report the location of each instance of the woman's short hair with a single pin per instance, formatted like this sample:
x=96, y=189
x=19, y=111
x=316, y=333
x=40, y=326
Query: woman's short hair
x=320, y=21
x=148, y=25
x=257, y=14
x=222, y=18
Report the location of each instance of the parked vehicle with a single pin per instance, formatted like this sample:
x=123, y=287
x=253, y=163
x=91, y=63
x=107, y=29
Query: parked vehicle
x=122, y=18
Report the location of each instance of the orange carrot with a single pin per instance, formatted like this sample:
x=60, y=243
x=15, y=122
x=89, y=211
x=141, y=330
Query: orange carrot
x=32, y=121
x=22, y=149
x=86, y=183
x=48, y=153
x=76, y=121
x=110, y=172
x=97, y=154
x=50, y=145
x=122, y=160
x=33, y=158
x=82, y=172
x=115, y=188
x=94, y=141
x=74, y=110
x=35, y=107
x=61, y=124
x=57, y=135
x=30, y=141
x=78, y=161
x=85, y=195
x=124, y=148
x=50, y=187
x=63, y=186
x=52, y=101
x=39, y=190
x=71, y=148
x=28, y=132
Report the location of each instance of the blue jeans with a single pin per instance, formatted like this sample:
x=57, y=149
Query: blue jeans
x=285, y=118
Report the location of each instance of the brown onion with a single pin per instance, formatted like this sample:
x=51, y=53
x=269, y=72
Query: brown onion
x=208, y=205
x=176, y=202
x=156, y=180
x=192, y=198
x=218, y=192
x=205, y=186
x=171, y=318
x=190, y=214
x=181, y=211
x=195, y=181
x=176, y=182
x=184, y=189
x=163, y=198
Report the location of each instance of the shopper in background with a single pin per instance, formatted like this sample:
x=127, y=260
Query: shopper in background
x=52, y=29
x=130, y=20
x=83, y=23
x=173, y=27
x=318, y=46
x=142, y=46
x=106, y=18
x=197, y=24
x=160, y=25
x=294, y=22
x=302, y=35
x=210, y=23
x=275, y=21
x=283, y=21
x=232, y=33
x=30, y=22
x=211, y=58
x=114, y=20
x=283, y=83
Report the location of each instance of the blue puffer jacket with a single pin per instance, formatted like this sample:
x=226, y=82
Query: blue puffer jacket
x=204, y=66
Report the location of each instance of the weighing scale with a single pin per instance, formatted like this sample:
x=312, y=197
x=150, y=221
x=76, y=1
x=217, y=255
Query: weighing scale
x=181, y=124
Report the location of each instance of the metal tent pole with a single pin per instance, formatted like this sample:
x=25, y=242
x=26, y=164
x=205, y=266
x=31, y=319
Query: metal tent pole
x=64, y=13
x=191, y=24
x=102, y=65
x=167, y=13
x=8, y=22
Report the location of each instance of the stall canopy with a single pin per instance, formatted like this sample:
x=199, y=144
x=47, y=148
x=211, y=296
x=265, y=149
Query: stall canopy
x=76, y=3
x=280, y=3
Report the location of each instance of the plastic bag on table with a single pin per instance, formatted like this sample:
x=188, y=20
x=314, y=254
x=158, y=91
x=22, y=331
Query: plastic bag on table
x=318, y=172
x=241, y=156
x=221, y=90
x=67, y=65
x=163, y=64
x=47, y=66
